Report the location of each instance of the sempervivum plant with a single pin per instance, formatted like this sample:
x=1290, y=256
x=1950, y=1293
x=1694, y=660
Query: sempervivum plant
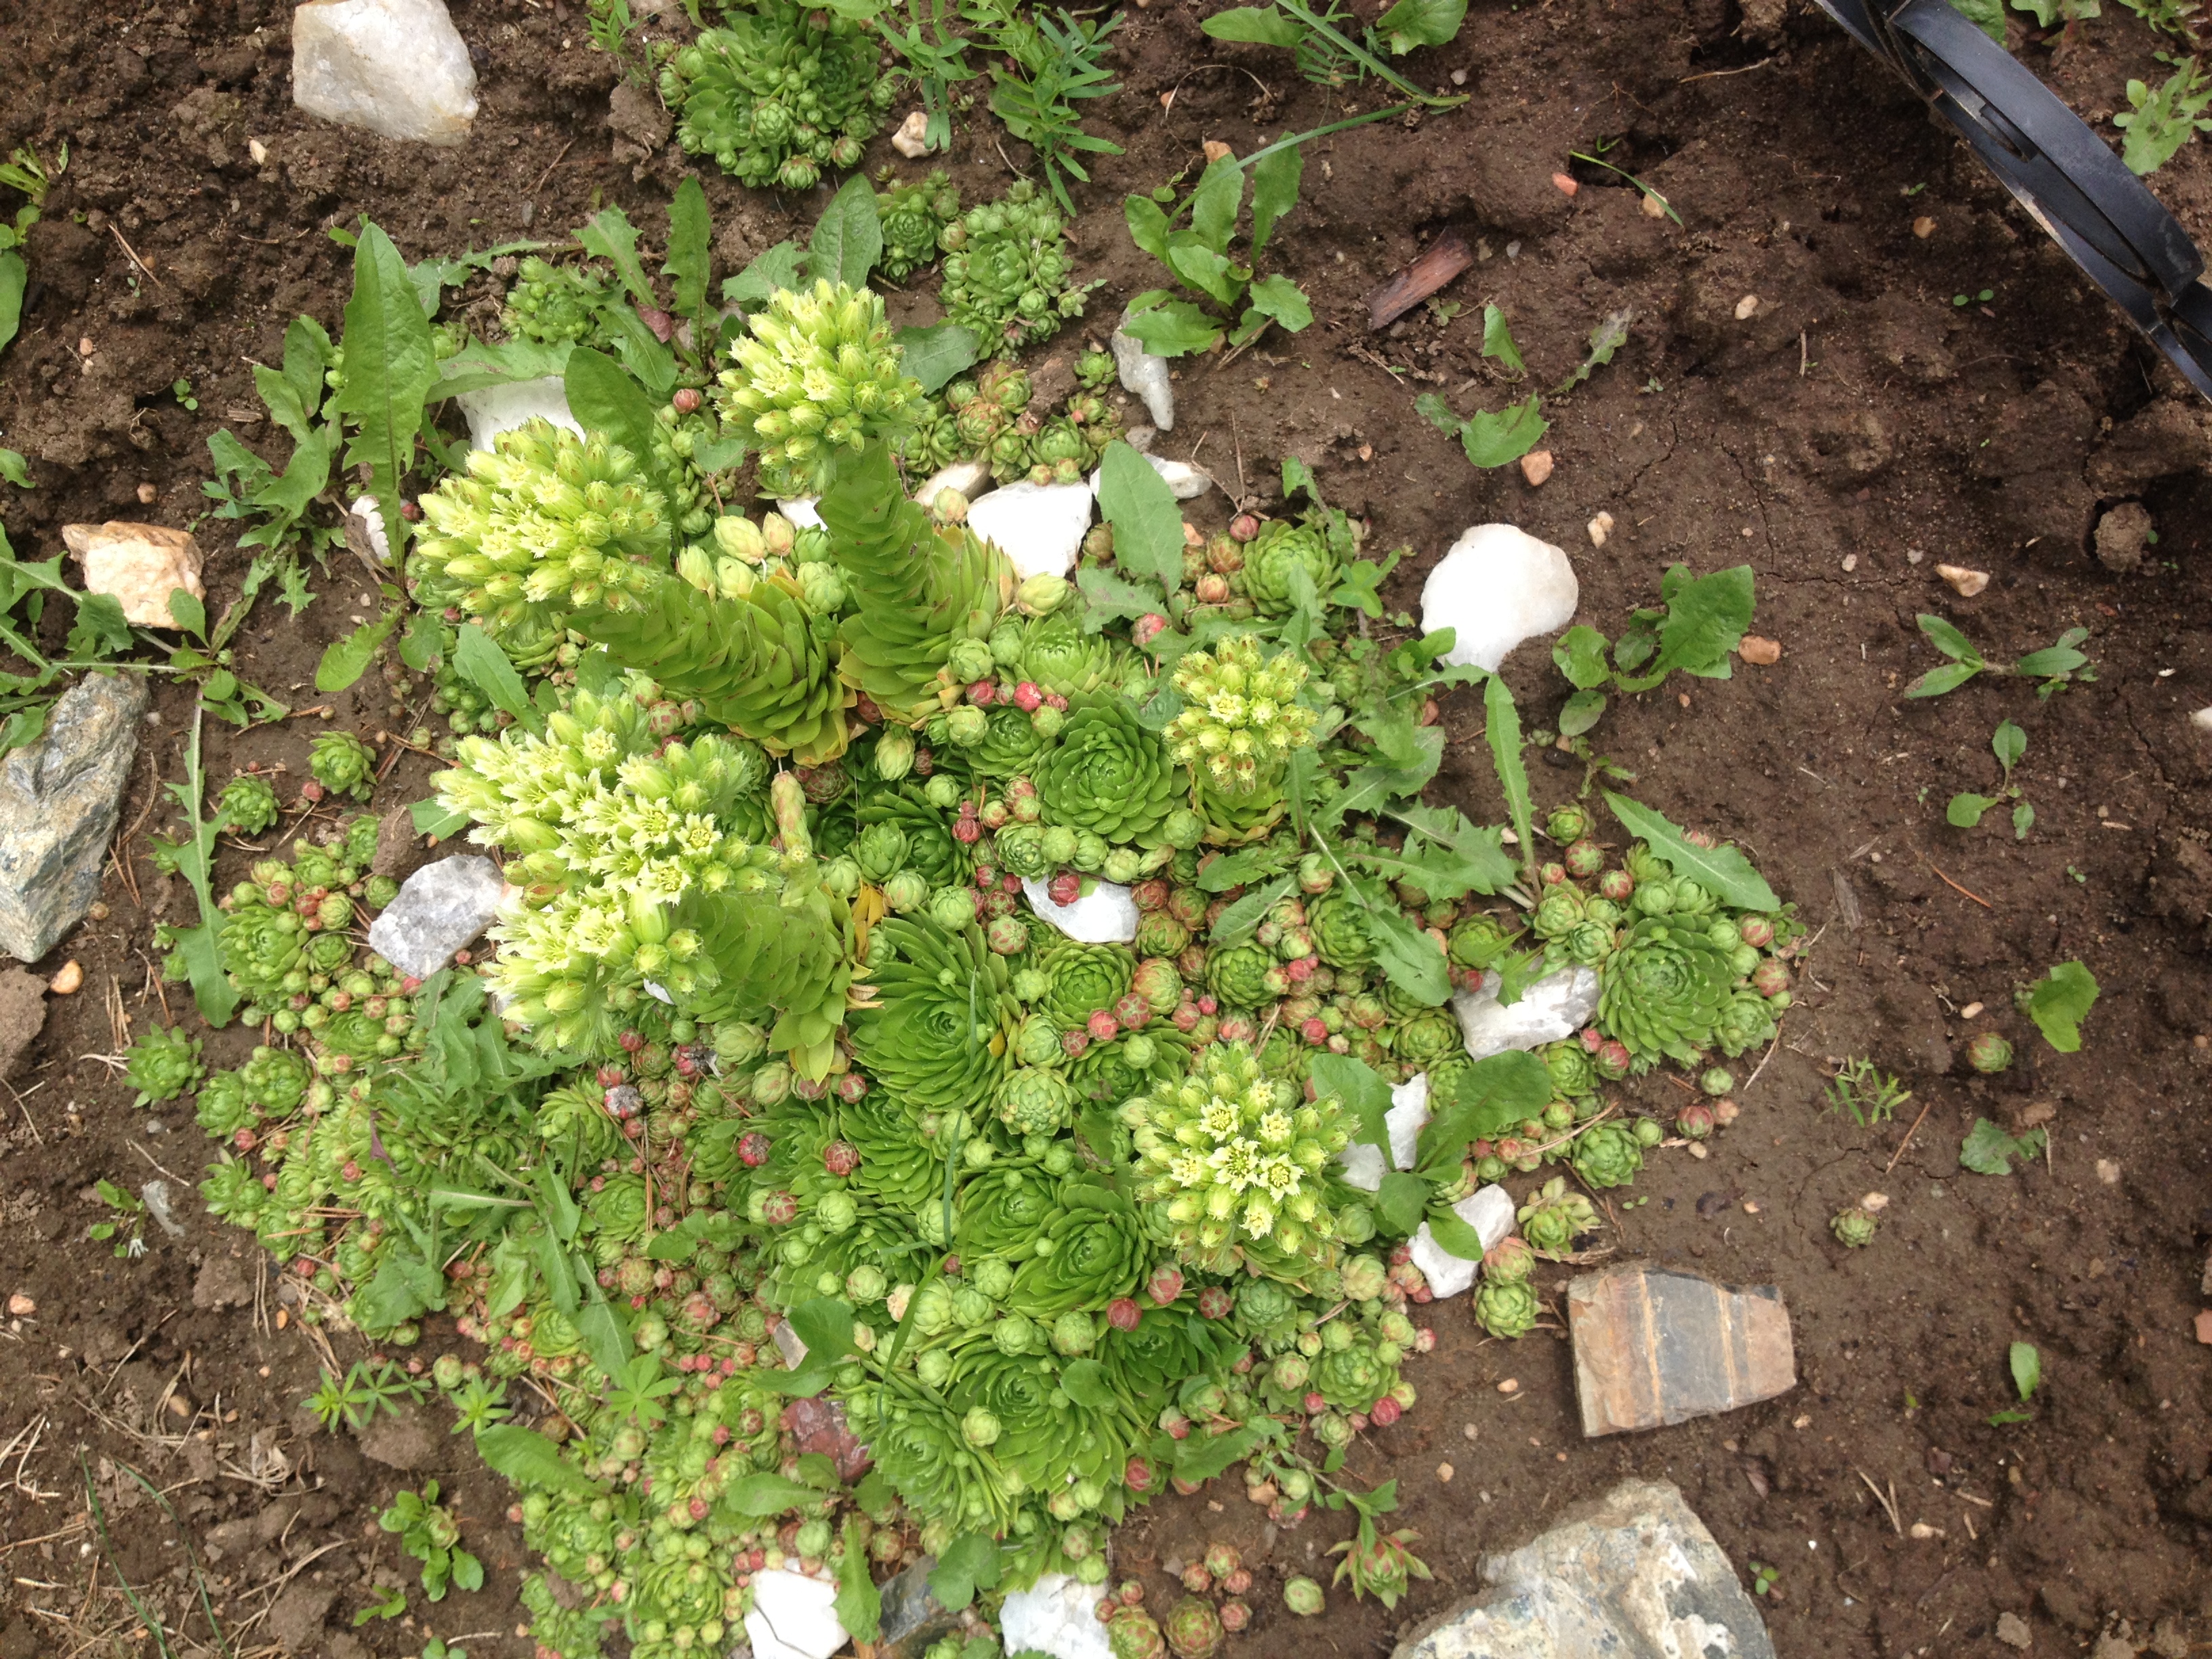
x=780, y=94
x=1507, y=1308
x=1282, y=546
x=819, y=373
x=541, y=524
x=918, y=589
x=249, y=803
x=1237, y=1160
x=913, y=215
x=1007, y=275
x=1553, y=1217
x=1109, y=774
x=1665, y=991
x=163, y=1064
x=936, y=1032
x=342, y=764
x=1607, y=1155
x=1241, y=720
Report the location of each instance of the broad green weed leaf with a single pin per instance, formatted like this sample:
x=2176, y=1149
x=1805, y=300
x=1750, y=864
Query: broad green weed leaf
x=1216, y=201
x=2059, y=1002
x=2027, y=1367
x=2010, y=742
x=1275, y=180
x=1965, y=811
x=1363, y=1092
x=1412, y=23
x=347, y=658
x=1148, y=225
x=1174, y=329
x=612, y=237
x=1148, y=539
x=849, y=238
x=484, y=665
x=690, y=230
x=1937, y=681
x=1990, y=1151
x=1498, y=341
x=934, y=355
x=1949, y=640
x=1278, y=297
x=1261, y=25
x=1581, y=712
x=1721, y=870
x=1496, y=440
x=1502, y=728
x=1580, y=655
x=606, y=400
x=389, y=372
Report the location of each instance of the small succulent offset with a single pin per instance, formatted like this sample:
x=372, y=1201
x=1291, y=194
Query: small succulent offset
x=819, y=373
x=163, y=1064
x=1988, y=1053
x=1241, y=721
x=1238, y=1160
x=1507, y=1308
x=913, y=215
x=1007, y=273
x=554, y=305
x=1853, y=1227
x=1552, y=1219
x=342, y=764
x=543, y=524
x=1304, y=1597
x=248, y=803
x=781, y=92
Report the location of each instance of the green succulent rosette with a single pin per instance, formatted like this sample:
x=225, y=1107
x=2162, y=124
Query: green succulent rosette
x=1081, y=979
x=249, y=804
x=1109, y=774
x=1338, y=923
x=913, y=213
x=1238, y=976
x=1062, y=658
x=1035, y=1100
x=924, y=835
x=1428, y=1036
x=1607, y=1155
x=928, y=1460
x=1091, y=1250
x=543, y=524
x=1280, y=547
x=1553, y=1217
x=998, y=1211
x=163, y=1064
x=780, y=94
x=1507, y=1309
x=937, y=1032
x=1007, y=275
x=1665, y=991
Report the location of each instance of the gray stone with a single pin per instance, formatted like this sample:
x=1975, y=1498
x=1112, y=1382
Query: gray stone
x=58, y=800
x=1655, y=1346
x=22, y=1015
x=913, y=1619
x=405, y=1440
x=1632, y=1576
x=440, y=909
x=1147, y=375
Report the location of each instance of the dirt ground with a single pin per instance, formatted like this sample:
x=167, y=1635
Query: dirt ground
x=1844, y=434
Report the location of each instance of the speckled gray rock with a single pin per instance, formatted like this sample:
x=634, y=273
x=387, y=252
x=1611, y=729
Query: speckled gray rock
x=1147, y=375
x=912, y=1618
x=1632, y=1576
x=440, y=909
x=58, y=799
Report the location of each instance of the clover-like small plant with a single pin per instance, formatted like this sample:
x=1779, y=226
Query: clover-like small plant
x=429, y=1531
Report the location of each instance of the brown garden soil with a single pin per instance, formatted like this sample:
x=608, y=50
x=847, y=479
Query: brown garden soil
x=1858, y=427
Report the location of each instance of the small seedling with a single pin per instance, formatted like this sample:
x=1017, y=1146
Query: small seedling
x=356, y=1398
x=2027, y=1367
x=1988, y=1150
x=2057, y=666
x=1696, y=626
x=2165, y=118
x=428, y=1532
x=2175, y=17
x=1983, y=298
x=478, y=1404
x=1965, y=812
x=182, y=391
x=2058, y=1003
x=1763, y=1578
x=394, y=1603
x=1597, y=161
x=1866, y=1092
x=128, y=1226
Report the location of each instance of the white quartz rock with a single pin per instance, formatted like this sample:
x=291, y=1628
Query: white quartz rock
x=801, y=512
x=371, y=514
x=1054, y=1615
x=1188, y=482
x=398, y=67
x=1489, y=1211
x=1498, y=586
x=1107, y=915
x=492, y=409
x=1146, y=375
x=1557, y=1006
x=1408, y=1113
x=1039, y=526
x=794, y=1617
x=970, y=479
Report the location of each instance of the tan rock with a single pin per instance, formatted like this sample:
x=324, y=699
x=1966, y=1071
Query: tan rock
x=139, y=565
x=1759, y=651
x=1923, y=227
x=65, y=982
x=912, y=140
x=1747, y=308
x=1599, y=528
x=1964, y=583
x=1215, y=149
x=1654, y=1347
x=1536, y=465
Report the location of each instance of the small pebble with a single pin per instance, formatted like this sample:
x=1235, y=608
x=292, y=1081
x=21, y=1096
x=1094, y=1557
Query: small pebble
x=147, y=494
x=1469, y=1431
x=258, y=150
x=1759, y=651
x=20, y=1306
x=1749, y=1207
x=1536, y=465
x=1599, y=528
x=65, y=982
x=1444, y=1472
x=1567, y=185
x=1970, y=1010
x=911, y=140
x=1923, y=227
x=1964, y=582
x=1922, y=1529
x=2108, y=1172
x=1215, y=150
x=1654, y=208
x=1459, y=77
x=1875, y=1203
x=1747, y=308
x=1510, y=1385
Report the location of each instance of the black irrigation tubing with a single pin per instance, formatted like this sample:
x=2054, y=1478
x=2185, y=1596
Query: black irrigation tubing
x=2067, y=178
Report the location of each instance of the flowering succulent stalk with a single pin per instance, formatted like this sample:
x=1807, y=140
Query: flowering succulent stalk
x=1238, y=1161
x=1241, y=721
x=818, y=372
x=541, y=524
